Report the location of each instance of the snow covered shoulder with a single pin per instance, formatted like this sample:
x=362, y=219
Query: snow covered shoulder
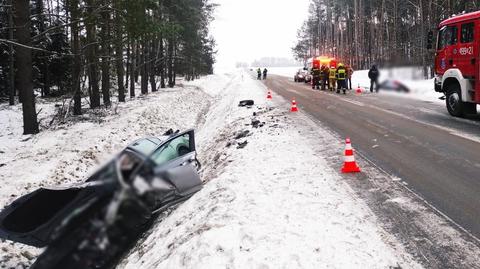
x=270, y=201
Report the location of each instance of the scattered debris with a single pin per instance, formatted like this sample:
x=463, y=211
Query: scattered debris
x=242, y=144
x=26, y=138
x=257, y=124
x=242, y=134
x=247, y=103
x=2, y=164
x=171, y=132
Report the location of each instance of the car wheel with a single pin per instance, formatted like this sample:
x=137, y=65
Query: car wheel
x=455, y=105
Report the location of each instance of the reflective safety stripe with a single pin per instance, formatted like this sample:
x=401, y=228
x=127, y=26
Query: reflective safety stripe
x=349, y=159
x=348, y=147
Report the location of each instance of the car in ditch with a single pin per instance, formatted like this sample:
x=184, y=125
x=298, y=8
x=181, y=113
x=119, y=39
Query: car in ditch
x=90, y=225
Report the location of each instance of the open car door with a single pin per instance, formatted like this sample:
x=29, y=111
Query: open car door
x=176, y=162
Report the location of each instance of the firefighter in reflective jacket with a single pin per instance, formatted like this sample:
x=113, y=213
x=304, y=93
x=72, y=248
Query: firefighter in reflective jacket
x=325, y=73
x=332, y=78
x=316, y=73
x=342, y=78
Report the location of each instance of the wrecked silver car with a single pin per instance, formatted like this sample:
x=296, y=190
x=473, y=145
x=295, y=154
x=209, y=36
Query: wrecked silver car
x=92, y=224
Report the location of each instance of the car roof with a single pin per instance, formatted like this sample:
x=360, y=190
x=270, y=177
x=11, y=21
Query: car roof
x=146, y=146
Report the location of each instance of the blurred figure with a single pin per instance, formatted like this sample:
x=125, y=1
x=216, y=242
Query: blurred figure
x=265, y=71
x=325, y=73
x=349, y=76
x=316, y=78
x=332, y=78
x=373, y=74
x=259, y=73
x=342, y=78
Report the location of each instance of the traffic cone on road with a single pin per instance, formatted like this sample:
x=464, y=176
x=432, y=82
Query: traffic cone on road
x=269, y=95
x=350, y=166
x=294, y=106
x=359, y=90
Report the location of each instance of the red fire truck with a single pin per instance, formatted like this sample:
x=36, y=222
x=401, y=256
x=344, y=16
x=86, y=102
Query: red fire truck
x=457, y=63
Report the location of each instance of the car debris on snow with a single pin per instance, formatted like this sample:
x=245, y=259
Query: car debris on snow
x=247, y=103
x=242, y=145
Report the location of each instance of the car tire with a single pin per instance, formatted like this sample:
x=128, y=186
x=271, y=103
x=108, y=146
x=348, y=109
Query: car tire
x=455, y=105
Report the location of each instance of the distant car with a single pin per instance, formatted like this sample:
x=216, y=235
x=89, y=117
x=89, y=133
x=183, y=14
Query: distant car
x=393, y=85
x=300, y=76
x=92, y=224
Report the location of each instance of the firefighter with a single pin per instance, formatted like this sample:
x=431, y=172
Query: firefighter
x=342, y=78
x=332, y=78
x=325, y=73
x=373, y=75
x=316, y=73
x=259, y=73
x=349, y=76
x=265, y=71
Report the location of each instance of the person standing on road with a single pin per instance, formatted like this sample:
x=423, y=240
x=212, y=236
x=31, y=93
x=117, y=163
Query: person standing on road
x=373, y=74
x=259, y=73
x=342, y=78
x=265, y=71
x=316, y=78
x=325, y=73
x=332, y=78
x=349, y=76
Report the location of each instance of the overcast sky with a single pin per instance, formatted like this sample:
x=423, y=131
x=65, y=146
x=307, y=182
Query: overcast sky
x=246, y=30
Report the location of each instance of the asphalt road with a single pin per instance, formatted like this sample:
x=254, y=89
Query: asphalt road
x=437, y=155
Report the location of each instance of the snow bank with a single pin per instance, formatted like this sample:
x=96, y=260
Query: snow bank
x=68, y=153
x=274, y=204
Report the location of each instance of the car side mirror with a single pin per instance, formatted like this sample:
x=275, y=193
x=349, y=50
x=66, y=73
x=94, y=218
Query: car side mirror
x=430, y=40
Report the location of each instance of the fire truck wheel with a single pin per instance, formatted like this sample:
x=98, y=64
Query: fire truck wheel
x=456, y=107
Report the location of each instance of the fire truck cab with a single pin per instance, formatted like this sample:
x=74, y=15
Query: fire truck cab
x=457, y=63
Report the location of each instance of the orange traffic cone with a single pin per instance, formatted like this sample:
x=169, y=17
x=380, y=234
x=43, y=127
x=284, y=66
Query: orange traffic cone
x=269, y=95
x=350, y=166
x=294, y=106
x=359, y=90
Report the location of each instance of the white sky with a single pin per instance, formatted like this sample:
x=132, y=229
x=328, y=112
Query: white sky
x=246, y=30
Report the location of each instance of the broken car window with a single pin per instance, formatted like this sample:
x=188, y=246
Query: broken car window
x=172, y=150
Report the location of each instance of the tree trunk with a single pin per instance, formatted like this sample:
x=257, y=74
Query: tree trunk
x=91, y=50
x=119, y=52
x=170, y=62
x=105, y=54
x=143, y=68
x=152, y=69
x=24, y=65
x=11, y=57
x=77, y=95
x=132, y=69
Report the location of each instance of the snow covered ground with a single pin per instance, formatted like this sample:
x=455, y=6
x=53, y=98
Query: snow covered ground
x=276, y=203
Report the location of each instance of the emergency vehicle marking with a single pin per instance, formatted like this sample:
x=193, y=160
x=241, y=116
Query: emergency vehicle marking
x=466, y=51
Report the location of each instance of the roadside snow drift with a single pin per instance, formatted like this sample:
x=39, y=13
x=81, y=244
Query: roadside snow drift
x=273, y=204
